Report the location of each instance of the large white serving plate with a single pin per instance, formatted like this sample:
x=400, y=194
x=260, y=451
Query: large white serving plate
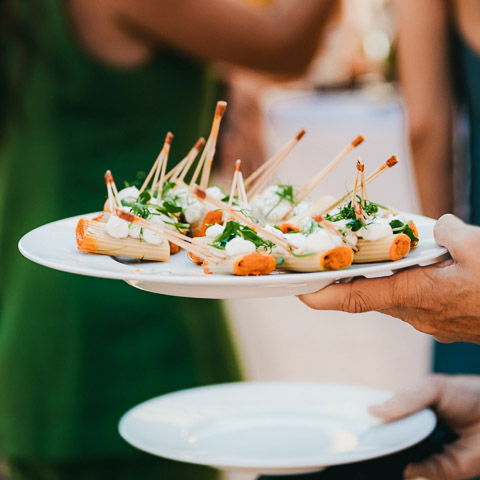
x=270, y=428
x=54, y=246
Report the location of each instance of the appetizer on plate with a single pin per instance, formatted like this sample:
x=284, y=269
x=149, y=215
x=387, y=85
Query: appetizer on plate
x=258, y=228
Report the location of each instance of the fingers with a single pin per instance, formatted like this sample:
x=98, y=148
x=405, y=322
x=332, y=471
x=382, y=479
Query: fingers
x=426, y=394
x=457, y=461
x=356, y=297
x=438, y=467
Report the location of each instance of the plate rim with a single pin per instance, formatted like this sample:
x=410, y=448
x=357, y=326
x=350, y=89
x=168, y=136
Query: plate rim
x=299, y=467
x=275, y=280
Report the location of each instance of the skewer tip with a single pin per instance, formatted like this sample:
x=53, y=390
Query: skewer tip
x=358, y=141
x=300, y=134
x=200, y=144
x=199, y=192
x=360, y=165
x=168, y=138
x=238, y=165
x=108, y=177
x=220, y=110
x=392, y=161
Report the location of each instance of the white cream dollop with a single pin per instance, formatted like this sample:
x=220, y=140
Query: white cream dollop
x=214, y=231
x=117, y=227
x=239, y=246
x=194, y=211
x=130, y=194
x=134, y=231
x=376, y=230
x=216, y=192
x=153, y=238
x=321, y=240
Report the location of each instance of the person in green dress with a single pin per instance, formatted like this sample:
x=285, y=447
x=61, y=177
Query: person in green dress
x=87, y=86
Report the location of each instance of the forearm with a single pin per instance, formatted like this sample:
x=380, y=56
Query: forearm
x=431, y=149
x=424, y=73
x=281, y=38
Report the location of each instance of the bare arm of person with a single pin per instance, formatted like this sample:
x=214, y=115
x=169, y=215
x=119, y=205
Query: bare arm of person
x=456, y=401
x=425, y=79
x=442, y=300
x=280, y=38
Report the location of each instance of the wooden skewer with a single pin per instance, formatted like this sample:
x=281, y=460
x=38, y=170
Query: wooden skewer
x=203, y=195
x=203, y=251
x=312, y=184
x=152, y=171
x=233, y=188
x=357, y=207
x=333, y=229
x=166, y=153
x=275, y=163
x=270, y=162
x=191, y=158
x=111, y=190
x=391, y=162
x=242, y=194
x=212, y=142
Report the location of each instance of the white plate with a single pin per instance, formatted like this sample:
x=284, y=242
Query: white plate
x=54, y=246
x=270, y=428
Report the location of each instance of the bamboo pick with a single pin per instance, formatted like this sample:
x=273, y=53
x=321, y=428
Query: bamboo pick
x=152, y=171
x=242, y=194
x=391, y=162
x=203, y=195
x=166, y=148
x=357, y=208
x=191, y=158
x=363, y=186
x=233, y=188
x=312, y=184
x=161, y=166
x=277, y=160
x=175, y=237
x=270, y=162
x=212, y=141
x=111, y=190
x=173, y=172
x=331, y=228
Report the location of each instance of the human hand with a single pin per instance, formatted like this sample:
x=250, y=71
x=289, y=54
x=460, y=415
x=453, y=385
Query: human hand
x=456, y=401
x=442, y=300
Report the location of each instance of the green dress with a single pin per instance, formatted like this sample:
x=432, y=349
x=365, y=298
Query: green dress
x=77, y=352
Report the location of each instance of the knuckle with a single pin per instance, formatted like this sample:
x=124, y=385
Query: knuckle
x=356, y=302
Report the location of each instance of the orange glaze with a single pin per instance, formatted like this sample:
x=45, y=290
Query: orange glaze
x=412, y=225
x=254, y=264
x=84, y=242
x=288, y=227
x=337, y=258
x=99, y=217
x=194, y=258
x=205, y=267
x=211, y=218
x=400, y=247
x=173, y=248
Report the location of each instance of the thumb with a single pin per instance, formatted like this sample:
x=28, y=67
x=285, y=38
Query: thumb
x=450, y=233
x=361, y=295
x=410, y=400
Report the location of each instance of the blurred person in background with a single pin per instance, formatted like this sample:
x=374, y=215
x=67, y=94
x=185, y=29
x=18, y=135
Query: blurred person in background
x=87, y=86
x=439, y=69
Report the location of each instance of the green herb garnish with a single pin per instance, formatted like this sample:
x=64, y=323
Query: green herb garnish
x=399, y=227
x=234, y=229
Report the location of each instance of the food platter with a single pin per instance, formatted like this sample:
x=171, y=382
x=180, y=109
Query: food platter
x=54, y=246
x=270, y=428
